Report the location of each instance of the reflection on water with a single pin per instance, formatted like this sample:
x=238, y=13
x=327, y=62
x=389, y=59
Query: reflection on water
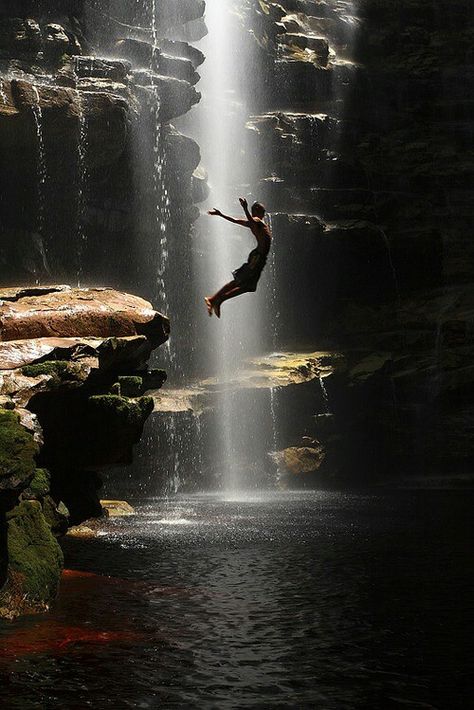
x=319, y=600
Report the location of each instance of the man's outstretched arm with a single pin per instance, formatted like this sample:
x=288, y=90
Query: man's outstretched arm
x=218, y=213
x=245, y=206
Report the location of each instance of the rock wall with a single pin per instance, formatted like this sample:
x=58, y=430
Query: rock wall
x=362, y=123
x=73, y=372
x=96, y=185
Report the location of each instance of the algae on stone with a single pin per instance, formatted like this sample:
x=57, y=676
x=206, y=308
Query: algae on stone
x=35, y=561
x=59, y=370
x=130, y=385
x=17, y=452
x=40, y=484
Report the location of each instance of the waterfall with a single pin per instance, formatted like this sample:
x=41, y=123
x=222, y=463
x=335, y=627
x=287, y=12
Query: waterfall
x=274, y=414
x=162, y=217
x=81, y=190
x=275, y=315
x=325, y=395
x=163, y=212
x=220, y=124
x=173, y=480
x=41, y=159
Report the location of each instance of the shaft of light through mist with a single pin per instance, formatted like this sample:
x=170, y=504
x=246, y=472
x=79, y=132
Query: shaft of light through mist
x=222, y=117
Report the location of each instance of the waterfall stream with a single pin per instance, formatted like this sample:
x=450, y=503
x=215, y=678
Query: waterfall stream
x=81, y=191
x=221, y=132
x=41, y=160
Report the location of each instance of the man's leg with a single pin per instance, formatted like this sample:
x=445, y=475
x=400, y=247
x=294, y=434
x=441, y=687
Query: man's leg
x=219, y=296
x=231, y=293
x=212, y=302
x=230, y=290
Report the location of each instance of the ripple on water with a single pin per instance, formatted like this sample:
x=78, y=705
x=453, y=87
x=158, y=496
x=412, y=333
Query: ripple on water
x=305, y=601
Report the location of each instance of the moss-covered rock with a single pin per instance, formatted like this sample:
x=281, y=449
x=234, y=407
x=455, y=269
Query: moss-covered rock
x=39, y=485
x=84, y=432
x=131, y=385
x=59, y=370
x=121, y=410
x=35, y=561
x=56, y=515
x=17, y=453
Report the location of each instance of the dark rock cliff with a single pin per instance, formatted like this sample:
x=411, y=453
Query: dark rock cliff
x=91, y=165
x=91, y=169
x=73, y=371
x=363, y=128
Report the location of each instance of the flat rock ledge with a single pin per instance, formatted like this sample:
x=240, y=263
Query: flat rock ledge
x=73, y=377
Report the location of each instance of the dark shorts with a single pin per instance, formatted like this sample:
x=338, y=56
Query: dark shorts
x=246, y=277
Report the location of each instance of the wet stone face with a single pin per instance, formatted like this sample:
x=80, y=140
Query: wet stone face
x=56, y=41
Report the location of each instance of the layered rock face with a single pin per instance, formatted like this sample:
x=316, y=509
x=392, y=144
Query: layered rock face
x=205, y=435
x=363, y=129
x=96, y=185
x=72, y=375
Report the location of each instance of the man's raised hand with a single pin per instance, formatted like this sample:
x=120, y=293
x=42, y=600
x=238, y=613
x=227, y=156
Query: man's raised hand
x=243, y=202
x=215, y=212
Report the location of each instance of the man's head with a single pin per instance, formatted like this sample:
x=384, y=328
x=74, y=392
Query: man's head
x=258, y=210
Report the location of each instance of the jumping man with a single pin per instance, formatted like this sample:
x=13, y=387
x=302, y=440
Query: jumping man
x=247, y=276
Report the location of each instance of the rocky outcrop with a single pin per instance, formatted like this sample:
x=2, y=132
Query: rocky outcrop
x=93, y=167
x=365, y=163
x=198, y=443
x=72, y=379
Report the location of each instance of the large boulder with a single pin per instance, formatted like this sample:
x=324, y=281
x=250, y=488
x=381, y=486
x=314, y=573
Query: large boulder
x=73, y=313
x=65, y=356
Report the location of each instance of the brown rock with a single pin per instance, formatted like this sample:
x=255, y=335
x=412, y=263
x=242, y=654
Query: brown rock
x=300, y=460
x=81, y=313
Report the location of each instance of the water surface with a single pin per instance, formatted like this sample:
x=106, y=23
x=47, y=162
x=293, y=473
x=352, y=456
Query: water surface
x=316, y=600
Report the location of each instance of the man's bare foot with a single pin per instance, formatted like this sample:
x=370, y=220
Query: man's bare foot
x=217, y=309
x=208, y=303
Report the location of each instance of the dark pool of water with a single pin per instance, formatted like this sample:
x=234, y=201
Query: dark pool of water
x=321, y=600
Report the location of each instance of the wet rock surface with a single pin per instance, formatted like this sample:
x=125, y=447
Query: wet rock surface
x=78, y=128
x=69, y=407
x=366, y=163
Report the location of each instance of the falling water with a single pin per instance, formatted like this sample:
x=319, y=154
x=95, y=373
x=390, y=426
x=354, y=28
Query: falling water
x=41, y=158
x=160, y=191
x=173, y=479
x=275, y=314
x=325, y=395
x=221, y=133
x=81, y=191
x=162, y=217
x=3, y=95
x=273, y=410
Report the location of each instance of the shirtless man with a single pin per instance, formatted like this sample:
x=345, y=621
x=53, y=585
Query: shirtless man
x=246, y=277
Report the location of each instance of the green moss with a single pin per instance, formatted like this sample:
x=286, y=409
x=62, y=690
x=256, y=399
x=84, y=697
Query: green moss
x=40, y=484
x=130, y=412
x=59, y=370
x=57, y=516
x=130, y=386
x=17, y=452
x=34, y=556
x=115, y=389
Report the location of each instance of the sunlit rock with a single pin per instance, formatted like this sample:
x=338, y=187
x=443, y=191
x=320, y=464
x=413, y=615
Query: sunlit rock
x=117, y=508
x=297, y=464
x=116, y=70
x=81, y=313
